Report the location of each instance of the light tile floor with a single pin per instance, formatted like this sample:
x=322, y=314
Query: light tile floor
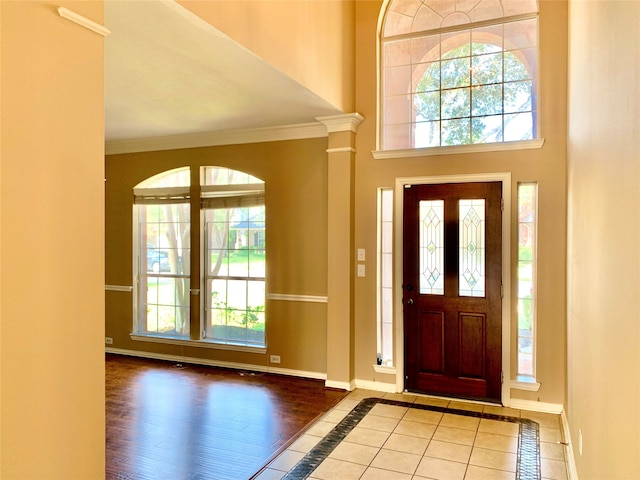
x=399, y=443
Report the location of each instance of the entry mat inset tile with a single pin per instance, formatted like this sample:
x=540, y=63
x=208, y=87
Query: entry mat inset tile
x=528, y=455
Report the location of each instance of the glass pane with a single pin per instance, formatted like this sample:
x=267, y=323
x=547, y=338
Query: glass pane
x=486, y=100
x=527, y=212
x=425, y=49
x=487, y=69
x=486, y=129
x=455, y=103
x=397, y=109
x=397, y=80
x=456, y=132
x=427, y=106
x=430, y=79
x=518, y=127
x=514, y=68
x=427, y=134
x=486, y=39
x=397, y=52
x=517, y=96
x=472, y=248
x=455, y=73
x=431, y=247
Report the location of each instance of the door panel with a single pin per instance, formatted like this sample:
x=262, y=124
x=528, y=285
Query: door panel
x=452, y=289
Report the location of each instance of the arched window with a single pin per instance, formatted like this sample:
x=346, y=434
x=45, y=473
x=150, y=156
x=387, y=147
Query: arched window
x=232, y=226
x=457, y=72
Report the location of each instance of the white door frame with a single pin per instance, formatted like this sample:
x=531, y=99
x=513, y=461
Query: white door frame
x=505, y=178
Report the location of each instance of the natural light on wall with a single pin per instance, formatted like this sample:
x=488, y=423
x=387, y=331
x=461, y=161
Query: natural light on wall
x=527, y=256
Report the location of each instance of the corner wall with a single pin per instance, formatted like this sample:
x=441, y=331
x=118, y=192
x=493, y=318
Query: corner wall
x=51, y=243
x=604, y=234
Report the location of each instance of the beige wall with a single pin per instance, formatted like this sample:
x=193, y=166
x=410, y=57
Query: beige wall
x=52, y=243
x=604, y=232
x=295, y=175
x=311, y=41
x=545, y=166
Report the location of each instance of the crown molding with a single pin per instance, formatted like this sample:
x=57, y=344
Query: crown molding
x=342, y=123
x=211, y=139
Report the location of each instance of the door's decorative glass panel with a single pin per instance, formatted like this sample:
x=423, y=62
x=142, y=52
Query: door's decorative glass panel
x=472, y=248
x=432, y=247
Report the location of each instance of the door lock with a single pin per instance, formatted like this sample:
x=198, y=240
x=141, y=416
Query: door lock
x=410, y=301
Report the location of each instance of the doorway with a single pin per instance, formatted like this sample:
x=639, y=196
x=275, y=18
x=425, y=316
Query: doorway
x=452, y=277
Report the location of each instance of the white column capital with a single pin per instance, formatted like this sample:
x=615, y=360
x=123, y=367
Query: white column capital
x=342, y=123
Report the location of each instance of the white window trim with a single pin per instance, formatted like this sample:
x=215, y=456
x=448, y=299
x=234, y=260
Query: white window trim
x=505, y=178
x=458, y=149
x=203, y=343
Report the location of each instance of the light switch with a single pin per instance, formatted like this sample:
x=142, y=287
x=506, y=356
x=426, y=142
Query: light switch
x=361, y=255
x=361, y=270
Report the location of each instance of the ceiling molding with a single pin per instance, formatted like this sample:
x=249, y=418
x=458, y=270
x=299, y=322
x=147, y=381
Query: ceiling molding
x=211, y=139
x=342, y=123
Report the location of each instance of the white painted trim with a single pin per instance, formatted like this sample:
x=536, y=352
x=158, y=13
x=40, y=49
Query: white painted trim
x=348, y=386
x=376, y=386
x=458, y=149
x=531, y=405
x=528, y=386
x=298, y=298
x=210, y=139
x=385, y=370
x=571, y=459
x=217, y=363
x=341, y=150
x=118, y=288
x=342, y=123
x=505, y=178
x=83, y=21
x=197, y=343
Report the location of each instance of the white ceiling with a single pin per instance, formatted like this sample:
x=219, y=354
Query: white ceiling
x=167, y=72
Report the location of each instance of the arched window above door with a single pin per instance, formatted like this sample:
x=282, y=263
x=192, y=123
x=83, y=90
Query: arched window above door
x=458, y=72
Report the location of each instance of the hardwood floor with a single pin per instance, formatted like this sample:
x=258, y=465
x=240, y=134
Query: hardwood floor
x=200, y=423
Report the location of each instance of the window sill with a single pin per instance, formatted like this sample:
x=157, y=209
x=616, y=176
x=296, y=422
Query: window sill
x=525, y=383
x=457, y=149
x=197, y=343
x=383, y=369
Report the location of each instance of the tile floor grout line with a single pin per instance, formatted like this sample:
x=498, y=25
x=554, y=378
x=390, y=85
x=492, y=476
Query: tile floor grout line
x=528, y=466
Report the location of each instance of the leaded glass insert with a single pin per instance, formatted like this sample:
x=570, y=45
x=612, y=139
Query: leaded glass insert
x=432, y=247
x=472, y=248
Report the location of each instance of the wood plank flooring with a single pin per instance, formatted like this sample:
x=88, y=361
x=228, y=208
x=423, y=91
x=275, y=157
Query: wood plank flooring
x=190, y=422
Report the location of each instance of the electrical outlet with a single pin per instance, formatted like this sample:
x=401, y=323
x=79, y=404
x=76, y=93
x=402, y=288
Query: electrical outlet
x=274, y=358
x=108, y=341
x=361, y=270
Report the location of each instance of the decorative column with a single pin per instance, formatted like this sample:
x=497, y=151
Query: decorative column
x=340, y=245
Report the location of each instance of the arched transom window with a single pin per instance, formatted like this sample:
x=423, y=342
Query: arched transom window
x=458, y=72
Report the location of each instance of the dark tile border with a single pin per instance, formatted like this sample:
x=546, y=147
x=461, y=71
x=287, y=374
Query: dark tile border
x=528, y=459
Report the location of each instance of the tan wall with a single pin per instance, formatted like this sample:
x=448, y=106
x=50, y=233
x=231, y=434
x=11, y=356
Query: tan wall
x=604, y=232
x=545, y=166
x=295, y=175
x=52, y=243
x=311, y=41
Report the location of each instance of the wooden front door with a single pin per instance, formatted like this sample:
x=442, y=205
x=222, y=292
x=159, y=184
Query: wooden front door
x=452, y=285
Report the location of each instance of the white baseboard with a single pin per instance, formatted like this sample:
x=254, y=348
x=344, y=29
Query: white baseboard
x=571, y=459
x=377, y=386
x=555, y=408
x=218, y=363
x=348, y=386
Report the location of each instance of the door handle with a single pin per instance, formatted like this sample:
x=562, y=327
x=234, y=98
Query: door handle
x=410, y=301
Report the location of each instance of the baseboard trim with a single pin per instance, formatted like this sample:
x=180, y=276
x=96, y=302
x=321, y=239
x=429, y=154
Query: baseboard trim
x=218, y=363
x=555, y=408
x=571, y=459
x=348, y=386
x=377, y=386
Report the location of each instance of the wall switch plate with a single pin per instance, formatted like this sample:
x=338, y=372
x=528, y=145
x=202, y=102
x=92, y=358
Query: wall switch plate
x=361, y=255
x=361, y=270
x=274, y=358
x=108, y=341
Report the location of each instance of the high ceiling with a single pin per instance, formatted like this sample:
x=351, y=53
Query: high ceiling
x=167, y=72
